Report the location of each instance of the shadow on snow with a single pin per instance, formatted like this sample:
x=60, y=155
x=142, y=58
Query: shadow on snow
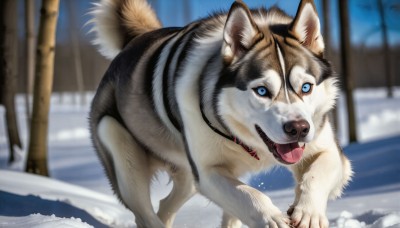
x=17, y=206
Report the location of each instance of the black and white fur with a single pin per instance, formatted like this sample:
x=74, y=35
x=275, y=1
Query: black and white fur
x=176, y=99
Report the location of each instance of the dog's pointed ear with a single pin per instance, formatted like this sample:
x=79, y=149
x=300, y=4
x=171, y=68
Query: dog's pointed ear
x=306, y=27
x=240, y=32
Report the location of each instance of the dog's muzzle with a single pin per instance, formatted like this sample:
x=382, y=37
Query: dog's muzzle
x=289, y=153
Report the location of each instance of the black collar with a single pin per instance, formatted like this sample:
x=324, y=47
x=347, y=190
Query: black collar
x=232, y=138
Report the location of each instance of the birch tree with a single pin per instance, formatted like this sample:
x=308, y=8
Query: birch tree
x=37, y=155
x=8, y=71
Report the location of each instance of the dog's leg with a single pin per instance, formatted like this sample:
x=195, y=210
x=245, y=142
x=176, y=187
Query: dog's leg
x=315, y=179
x=229, y=221
x=183, y=189
x=132, y=171
x=240, y=200
x=319, y=177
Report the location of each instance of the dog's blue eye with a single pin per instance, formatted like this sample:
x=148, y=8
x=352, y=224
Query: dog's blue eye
x=261, y=91
x=306, y=88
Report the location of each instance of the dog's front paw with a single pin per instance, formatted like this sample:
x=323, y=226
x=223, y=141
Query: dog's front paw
x=278, y=220
x=304, y=217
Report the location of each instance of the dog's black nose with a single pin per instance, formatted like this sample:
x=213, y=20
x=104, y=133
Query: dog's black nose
x=297, y=129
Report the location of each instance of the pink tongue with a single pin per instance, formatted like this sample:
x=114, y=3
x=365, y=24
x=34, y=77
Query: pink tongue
x=290, y=153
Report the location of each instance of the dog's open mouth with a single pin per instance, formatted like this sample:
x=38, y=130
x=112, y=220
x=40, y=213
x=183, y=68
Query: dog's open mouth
x=286, y=153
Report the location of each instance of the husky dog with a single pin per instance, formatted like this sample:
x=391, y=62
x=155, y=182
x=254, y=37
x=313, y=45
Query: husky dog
x=226, y=95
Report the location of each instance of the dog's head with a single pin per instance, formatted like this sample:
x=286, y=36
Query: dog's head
x=275, y=88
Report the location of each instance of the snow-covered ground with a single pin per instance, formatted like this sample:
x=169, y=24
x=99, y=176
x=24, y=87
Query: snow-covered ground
x=78, y=195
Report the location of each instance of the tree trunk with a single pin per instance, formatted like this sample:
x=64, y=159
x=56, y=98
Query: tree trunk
x=386, y=51
x=9, y=57
x=76, y=53
x=187, y=11
x=346, y=68
x=326, y=32
x=327, y=39
x=29, y=55
x=37, y=156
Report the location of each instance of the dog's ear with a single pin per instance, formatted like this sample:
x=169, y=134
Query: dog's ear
x=306, y=27
x=240, y=32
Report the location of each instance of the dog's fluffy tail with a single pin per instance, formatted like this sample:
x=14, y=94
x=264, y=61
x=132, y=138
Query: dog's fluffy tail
x=116, y=22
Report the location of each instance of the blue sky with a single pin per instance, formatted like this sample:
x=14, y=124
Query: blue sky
x=364, y=22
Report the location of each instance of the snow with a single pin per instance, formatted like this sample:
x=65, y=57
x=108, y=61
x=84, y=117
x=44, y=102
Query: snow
x=42, y=221
x=377, y=116
x=78, y=201
x=78, y=193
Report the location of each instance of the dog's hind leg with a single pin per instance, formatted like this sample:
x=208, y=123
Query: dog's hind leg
x=132, y=171
x=229, y=221
x=183, y=189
